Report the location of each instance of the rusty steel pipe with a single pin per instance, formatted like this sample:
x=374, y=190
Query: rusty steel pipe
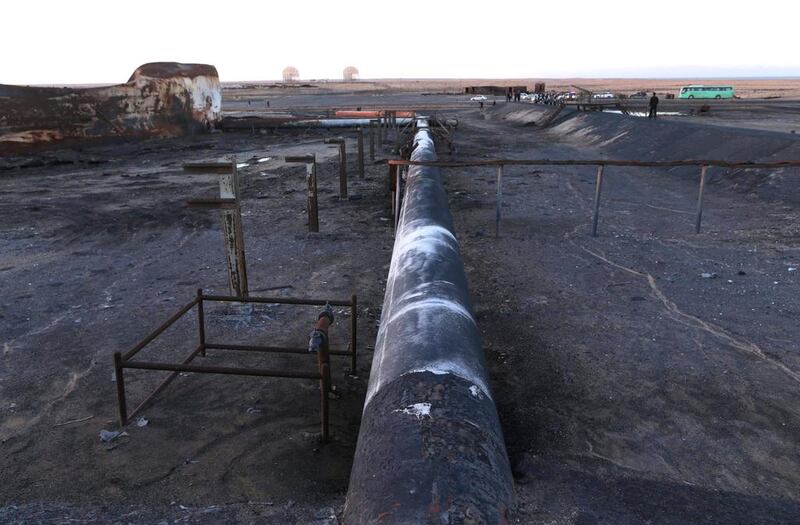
x=372, y=124
x=360, y=152
x=498, y=200
x=342, y=143
x=275, y=300
x=312, y=208
x=598, y=162
x=353, y=333
x=430, y=447
x=155, y=333
x=119, y=377
x=164, y=384
x=270, y=349
x=257, y=372
x=325, y=388
x=598, y=187
x=318, y=342
x=233, y=233
x=312, y=205
x=699, y=215
x=201, y=323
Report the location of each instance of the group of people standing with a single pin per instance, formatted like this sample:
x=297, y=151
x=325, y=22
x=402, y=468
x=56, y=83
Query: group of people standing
x=552, y=98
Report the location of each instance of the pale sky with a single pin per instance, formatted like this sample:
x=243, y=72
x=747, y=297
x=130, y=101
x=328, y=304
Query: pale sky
x=85, y=41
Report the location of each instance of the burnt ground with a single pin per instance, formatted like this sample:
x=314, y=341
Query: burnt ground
x=631, y=389
x=98, y=250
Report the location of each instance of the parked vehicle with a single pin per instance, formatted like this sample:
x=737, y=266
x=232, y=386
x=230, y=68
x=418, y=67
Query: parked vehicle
x=698, y=91
x=605, y=94
x=479, y=98
x=639, y=94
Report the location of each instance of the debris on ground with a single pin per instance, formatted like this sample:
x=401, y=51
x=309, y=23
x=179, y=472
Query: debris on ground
x=107, y=436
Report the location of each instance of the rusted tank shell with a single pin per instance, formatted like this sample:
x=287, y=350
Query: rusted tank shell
x=159, y=99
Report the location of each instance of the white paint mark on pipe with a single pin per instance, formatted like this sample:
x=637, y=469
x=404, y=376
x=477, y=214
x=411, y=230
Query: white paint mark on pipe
x=425, y=238
x=453, y=367
x=432, y=306
x=418, y=410
x=428, y=308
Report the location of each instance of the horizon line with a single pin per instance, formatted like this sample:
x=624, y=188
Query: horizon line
x=443, y=79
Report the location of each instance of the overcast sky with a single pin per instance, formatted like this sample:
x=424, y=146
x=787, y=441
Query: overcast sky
x=83, y=41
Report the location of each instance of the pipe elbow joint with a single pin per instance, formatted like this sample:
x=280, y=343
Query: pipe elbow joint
x=327, y=312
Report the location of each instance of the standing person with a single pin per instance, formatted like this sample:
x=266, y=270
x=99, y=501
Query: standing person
x=653, y=107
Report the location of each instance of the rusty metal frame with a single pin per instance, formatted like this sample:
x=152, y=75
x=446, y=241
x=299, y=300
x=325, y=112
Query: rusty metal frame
x=342, y=143
x=440, y=129
x=601, y=165
x=373, y=124
x=393, y=190
x=125, y=360
x=360, y=145
x=312, y=207
x=230, y=204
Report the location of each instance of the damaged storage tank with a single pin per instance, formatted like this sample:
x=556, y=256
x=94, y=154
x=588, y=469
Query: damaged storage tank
x=160, y=99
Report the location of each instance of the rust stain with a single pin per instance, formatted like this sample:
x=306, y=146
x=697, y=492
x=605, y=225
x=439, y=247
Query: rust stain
x=159, y=99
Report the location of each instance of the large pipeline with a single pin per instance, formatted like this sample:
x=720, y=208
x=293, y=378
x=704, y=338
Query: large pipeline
x=233, y=123
x=430, y=448
x=372, y=113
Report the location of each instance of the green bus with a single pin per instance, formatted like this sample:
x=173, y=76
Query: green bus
x=717, y=92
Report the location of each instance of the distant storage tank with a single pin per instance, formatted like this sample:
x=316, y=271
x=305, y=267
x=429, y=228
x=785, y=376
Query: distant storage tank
x=350, y=73
x=290, y=74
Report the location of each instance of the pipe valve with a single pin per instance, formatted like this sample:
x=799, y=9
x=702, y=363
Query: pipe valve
x=319, y=336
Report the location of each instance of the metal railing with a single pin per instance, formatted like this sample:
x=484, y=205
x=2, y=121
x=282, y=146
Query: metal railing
x=319, y=345
x=601, y=165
